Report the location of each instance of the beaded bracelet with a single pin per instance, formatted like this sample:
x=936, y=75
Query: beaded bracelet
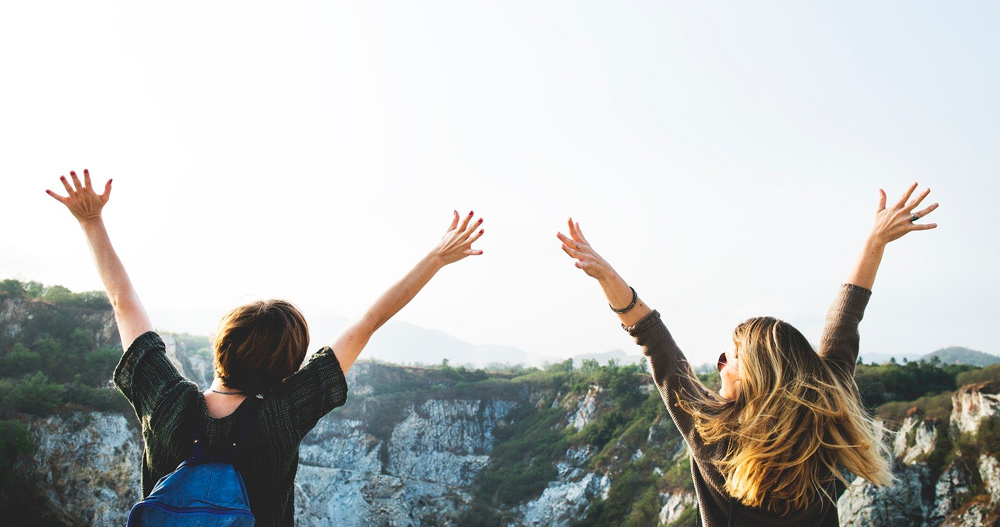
x=635, y=298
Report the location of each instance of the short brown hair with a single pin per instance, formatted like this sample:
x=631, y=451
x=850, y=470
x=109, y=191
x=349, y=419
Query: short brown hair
x=260, y=344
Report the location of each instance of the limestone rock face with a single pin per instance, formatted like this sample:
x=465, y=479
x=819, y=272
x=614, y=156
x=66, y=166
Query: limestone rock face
x=420, y=476
x=971, y=404
x=586, y=409
x=916, y=437
x=674, y=504
x=966, y=493
x=89, y=465
x=563, y=500
x=989, y=473
x=974, y=515
x=864, y=504
x=446, y=442
x=948, y=492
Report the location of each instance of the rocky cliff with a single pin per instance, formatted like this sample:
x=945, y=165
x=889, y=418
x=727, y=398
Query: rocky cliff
x=948, y=474
x=420, y=446
x=418, y=466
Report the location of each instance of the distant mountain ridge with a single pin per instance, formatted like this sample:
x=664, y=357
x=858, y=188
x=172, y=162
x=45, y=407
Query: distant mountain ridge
x=960, y=355
x=949, y=355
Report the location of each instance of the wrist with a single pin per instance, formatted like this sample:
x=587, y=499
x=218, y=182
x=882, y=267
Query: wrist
x=91, y=222
x=875, y=242
x=434, y=260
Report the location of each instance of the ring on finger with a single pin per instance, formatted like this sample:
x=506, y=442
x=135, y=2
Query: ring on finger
x=914, y=218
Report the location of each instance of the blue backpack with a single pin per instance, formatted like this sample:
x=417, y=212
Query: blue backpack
x=205, y=490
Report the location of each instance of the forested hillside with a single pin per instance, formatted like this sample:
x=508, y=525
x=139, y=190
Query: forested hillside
x=583, y=444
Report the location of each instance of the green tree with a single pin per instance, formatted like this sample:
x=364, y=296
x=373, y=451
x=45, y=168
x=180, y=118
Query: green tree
x=34, y=394
x=15, y=441
x=11, y=289
x=19, y=361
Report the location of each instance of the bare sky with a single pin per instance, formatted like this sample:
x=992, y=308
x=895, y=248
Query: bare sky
x=724, y=158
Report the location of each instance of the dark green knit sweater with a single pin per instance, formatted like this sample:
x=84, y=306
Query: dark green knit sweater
x=161, y=397
x=674, y=377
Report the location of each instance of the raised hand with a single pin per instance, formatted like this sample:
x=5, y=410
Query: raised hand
x=577, y=246
x=890, y=224
x=457, y=242
x=893, y=223
x=621, y=298
x=82, y=201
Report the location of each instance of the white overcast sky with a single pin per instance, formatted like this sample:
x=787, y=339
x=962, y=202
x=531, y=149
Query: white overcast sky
x=724, y=157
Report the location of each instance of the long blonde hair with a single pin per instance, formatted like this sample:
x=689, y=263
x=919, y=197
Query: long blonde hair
x=795, y=422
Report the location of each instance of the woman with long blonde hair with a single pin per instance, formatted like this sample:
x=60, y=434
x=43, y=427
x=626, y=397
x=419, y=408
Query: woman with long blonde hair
x=768, y=449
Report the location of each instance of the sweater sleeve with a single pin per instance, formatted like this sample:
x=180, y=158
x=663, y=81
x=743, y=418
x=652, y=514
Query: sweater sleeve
x=316, y=389
x=146, y=376
x=840, y=339
x=671, y=372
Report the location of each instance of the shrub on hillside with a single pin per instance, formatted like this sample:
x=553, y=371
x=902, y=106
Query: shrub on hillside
x=986, y=374
x=937, y=406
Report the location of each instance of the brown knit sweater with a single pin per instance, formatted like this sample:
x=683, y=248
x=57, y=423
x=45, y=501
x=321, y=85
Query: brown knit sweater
x=673, y=376
x=162, y=397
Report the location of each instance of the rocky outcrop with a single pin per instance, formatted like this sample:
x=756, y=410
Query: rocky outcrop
x=195, y=367
x=971, y=404
x=419, y=476
x=447, y=442
x=967, y=491
x=864, y=504
x=674, y=504
x=88, y=464
x=916, y=437
x=586, y=408
x=563, y=500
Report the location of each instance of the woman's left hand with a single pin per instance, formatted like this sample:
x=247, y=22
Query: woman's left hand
x=577, y=246
x=82, y=202
x=895, y=222
x=457, y=242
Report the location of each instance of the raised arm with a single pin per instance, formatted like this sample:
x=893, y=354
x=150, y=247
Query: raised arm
x=86, y=206
x=890, y=224
x=671, y=370
x=840, y=338
x=620, y=296
x=454, y=246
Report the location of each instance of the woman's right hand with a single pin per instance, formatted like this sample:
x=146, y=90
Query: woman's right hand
x=457, y=242
x=82, y=201
x=577, y=246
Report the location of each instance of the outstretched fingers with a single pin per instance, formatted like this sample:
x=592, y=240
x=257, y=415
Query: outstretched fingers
x=465, y=222
x=579, y=232
x=921, y=213
x=76, y=181
x=574, y=231
x=916, y=201
x=67, y=186
x=906, y=196
x=474, y=237
x=56, y=197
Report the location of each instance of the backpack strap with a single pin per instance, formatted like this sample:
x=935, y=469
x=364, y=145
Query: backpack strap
x=245, y=416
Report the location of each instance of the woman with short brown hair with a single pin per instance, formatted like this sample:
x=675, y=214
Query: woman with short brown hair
x=258, y=353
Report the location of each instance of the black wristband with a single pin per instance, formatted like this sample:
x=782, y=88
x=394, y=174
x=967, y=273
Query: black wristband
x=635, y=298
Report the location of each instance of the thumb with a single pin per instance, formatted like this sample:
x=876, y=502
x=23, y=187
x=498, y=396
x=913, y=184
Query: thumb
x=107, y=191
